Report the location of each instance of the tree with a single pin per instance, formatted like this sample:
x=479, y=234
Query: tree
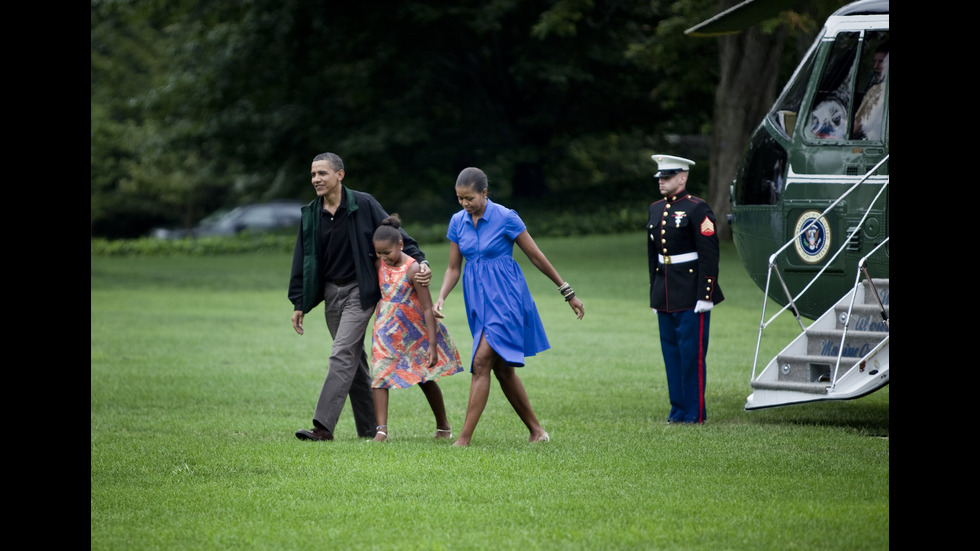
x=746, y=89
x=142, y=169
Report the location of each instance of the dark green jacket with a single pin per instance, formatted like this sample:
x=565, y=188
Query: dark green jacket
x=364, y=214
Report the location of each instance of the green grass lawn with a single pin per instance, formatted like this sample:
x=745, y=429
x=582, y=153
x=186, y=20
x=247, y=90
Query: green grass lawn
x=198, y=383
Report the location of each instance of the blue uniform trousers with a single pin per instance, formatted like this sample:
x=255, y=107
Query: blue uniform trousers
x=684, y=342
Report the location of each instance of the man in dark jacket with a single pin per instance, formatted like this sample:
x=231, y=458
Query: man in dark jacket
x=683, y=256
x=334, y=264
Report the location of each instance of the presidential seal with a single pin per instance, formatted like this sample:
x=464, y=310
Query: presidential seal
x=812, y=245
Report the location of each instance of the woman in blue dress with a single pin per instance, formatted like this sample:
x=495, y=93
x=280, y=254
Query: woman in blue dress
x=502, y=316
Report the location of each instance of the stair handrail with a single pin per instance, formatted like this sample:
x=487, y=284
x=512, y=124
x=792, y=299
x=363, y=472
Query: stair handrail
x=772, y=258
x=791, y=301
x=874, y=290
x=850, y=308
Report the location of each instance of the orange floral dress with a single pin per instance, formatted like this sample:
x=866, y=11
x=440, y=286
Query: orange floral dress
x=399, y=342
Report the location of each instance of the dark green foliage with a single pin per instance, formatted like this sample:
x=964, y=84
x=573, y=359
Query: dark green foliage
x=199, y=106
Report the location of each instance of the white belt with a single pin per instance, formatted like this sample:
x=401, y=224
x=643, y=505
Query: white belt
x=677, y=258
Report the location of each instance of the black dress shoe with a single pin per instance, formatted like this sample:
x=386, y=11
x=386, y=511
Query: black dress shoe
x=316, y=433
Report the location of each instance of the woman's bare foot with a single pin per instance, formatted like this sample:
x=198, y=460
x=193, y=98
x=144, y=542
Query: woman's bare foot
x=540, y=436
x=444, y=433
x=461, y=442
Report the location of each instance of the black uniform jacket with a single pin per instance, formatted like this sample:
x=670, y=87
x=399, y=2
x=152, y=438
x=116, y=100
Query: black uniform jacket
x=677, y=226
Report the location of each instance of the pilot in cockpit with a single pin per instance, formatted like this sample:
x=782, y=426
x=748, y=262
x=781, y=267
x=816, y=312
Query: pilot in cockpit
x=869, y=117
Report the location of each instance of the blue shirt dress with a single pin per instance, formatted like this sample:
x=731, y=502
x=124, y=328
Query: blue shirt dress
x=498, y=302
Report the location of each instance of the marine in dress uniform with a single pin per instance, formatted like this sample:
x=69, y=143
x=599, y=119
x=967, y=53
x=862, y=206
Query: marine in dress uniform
x=683, y=258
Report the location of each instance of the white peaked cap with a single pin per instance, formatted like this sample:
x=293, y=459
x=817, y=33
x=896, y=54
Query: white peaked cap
x=670, y=165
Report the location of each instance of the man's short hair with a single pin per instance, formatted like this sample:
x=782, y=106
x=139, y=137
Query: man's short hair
x=335, y=162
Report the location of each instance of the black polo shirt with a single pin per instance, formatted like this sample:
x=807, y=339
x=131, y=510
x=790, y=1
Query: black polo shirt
x=335, y=251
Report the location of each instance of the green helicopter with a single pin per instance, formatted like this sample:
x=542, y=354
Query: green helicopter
x=809, y=206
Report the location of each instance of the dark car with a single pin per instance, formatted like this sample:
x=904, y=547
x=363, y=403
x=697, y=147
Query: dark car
x=258, y=217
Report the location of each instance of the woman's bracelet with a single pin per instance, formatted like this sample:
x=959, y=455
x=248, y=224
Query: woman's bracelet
x=566, y=291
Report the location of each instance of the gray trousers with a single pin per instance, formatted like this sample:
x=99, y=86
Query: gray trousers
x=348, y=372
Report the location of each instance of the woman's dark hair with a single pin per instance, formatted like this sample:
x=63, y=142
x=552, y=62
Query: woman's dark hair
x=472, y=177
x=388, y=231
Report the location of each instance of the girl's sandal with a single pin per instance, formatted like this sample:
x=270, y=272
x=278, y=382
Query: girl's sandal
x=444, y=433
x=380, y=433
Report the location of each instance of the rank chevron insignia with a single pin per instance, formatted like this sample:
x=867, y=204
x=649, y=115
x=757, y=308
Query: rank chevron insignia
x=707, y=227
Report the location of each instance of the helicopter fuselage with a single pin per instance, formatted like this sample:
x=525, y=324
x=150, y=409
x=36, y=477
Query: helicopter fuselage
x=827, y=132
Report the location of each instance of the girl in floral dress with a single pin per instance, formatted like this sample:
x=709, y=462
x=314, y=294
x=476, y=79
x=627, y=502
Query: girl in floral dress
x=409, y=346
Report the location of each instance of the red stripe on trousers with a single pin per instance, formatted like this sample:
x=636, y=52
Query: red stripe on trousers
x=701, y=368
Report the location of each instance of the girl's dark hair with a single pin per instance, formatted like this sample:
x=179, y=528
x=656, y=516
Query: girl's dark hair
x=474, y=177
x=388, y=231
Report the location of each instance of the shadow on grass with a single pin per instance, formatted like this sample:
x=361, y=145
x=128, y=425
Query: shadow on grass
x=868, y=415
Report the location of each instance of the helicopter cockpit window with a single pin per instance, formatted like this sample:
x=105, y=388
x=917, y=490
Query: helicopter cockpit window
x=829, y=119
x=787, y=107
x=869, y=100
